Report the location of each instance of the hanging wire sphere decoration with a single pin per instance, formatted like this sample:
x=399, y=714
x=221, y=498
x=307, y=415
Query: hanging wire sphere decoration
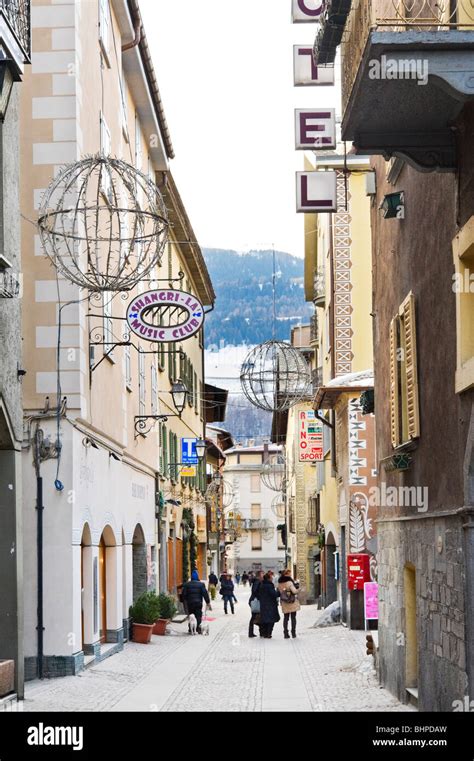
x=278, y=507
x=273, y=472
x=275, y=376
x=103, y=224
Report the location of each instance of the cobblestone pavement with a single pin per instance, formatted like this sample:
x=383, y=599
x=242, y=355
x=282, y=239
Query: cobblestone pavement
x=321, y=670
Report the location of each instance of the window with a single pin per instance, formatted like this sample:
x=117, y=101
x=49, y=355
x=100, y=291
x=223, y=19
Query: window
x=256, y=511
x=104, y=28
x=172, y=362
x=105, y=148
x=256, y=540
x=141, y=382
x=255, y=483
x=314, y=515
x=128, y=368
x=154, y=390
x=195, y=393
x=404, y=403
x=138, y=144
x=164, y=450
x=108, y=327
x=463, y=287
x=124, y=109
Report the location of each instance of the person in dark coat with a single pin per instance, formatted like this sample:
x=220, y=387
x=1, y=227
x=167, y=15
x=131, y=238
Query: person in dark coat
x=213, y=580
x=227, y=592
x=254, y=596
x=194, y=592
x=268, y=596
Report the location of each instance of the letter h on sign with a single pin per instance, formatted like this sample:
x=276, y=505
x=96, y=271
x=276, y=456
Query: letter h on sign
x=307, y=11
x=315, y=129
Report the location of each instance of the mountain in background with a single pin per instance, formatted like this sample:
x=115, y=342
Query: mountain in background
x=244, y=303
x=243, y=318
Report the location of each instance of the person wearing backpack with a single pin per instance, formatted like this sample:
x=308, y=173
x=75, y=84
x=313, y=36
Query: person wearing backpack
x=289, y=602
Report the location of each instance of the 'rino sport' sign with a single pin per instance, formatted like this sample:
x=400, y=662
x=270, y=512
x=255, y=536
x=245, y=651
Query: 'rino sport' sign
x=165, y=316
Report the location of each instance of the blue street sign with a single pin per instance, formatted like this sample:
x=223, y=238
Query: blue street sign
x=188, y=452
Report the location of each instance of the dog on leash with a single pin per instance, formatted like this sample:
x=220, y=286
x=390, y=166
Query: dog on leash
x=205, y=628
x=192, y=624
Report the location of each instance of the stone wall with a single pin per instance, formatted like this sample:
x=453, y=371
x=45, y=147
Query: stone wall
x=434, y=547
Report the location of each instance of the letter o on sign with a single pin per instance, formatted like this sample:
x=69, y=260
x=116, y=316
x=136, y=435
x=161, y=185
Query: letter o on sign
x=307, y=11
x=165, y=316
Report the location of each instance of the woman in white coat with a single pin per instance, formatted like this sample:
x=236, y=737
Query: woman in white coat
x=289, y=602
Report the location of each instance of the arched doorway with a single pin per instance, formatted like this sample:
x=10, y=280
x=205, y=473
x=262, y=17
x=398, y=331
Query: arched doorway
x=86, y=587
x=139, y=560
x=331, y=583
x=106, y=580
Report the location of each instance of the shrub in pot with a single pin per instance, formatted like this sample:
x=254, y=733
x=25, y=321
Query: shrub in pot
x=144, y=612
x=168, y=608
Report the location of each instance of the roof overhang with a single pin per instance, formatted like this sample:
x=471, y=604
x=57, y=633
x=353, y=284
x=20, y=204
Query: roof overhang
x=215, y=403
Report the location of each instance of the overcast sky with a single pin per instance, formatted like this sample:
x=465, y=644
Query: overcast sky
x=225, y=72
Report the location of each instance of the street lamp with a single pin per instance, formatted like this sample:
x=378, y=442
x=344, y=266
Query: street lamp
x=179, y=393
x=200, y=448
x=218, y=478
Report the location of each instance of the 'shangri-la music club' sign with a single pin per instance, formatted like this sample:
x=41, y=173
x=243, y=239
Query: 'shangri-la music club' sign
x=165, y=316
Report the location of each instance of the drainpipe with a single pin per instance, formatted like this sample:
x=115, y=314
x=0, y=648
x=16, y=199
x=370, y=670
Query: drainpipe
x=39, y=554
x=137, y=39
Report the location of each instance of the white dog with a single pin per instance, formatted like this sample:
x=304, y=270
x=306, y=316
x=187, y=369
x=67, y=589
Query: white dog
x=205, y=628
x=192, y=624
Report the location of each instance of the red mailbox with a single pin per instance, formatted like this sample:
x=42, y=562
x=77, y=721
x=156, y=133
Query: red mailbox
x=358, y=571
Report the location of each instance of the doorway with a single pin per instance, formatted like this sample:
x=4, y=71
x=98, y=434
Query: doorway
x=411, y=644
x=102, y=591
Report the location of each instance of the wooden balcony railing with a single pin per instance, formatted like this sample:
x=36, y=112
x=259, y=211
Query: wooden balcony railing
x=395, y=16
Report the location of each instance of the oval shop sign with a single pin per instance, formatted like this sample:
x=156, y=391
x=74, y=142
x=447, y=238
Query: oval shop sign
x=168, y=302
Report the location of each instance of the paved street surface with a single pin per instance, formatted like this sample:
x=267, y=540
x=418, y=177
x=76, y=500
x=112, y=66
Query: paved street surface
x=321, y=670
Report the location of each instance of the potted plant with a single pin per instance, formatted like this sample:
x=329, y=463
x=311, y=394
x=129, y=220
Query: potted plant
x=167, y=608
x=144, y=612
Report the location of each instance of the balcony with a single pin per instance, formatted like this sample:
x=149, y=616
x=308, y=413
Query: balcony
x=9, y=285
x=16, y=14
x=407, y=71
x=319, y=297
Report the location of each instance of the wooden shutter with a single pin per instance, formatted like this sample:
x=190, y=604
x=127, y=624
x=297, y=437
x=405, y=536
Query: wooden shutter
x=394, y=376
x=411, y=366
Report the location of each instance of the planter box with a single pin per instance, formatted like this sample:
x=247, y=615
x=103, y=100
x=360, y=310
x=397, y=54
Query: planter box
x=7, y=677
x=160, y=626
x=142, y=633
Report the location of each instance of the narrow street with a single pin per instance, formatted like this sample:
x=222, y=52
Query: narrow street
x=322, y=670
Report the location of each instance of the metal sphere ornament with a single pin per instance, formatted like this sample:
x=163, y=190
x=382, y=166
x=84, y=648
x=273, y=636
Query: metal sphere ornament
x=275, y=376
x=278, y=507
x=103, y=224
x=273, y=472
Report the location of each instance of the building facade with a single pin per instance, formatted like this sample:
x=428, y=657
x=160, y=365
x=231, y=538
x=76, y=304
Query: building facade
x=254, y=513
x=422, y=253
x=117, y=511
x=14, y=57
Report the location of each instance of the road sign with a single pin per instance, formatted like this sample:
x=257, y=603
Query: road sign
x=189, y=452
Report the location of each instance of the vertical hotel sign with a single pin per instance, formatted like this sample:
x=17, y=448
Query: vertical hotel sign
x=315, y=129
x=310, y=437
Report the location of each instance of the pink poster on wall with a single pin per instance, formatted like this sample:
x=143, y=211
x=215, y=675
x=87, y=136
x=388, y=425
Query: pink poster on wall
x=371, y=600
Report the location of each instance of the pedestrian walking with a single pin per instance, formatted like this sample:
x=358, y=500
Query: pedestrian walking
x=237, y=578
x=212, y=583
x=245, y=578
x=289, y=601
x=194, y=594
x=268, y=596
x=254, y=603
x=227, y=592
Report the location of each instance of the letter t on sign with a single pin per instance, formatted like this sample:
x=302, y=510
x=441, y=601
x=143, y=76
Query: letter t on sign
x=305, y=70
